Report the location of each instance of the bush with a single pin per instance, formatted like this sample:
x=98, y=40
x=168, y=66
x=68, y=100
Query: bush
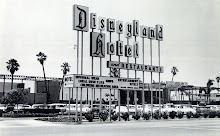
x=165, y=115
x=56, y=119
x=218, y=113
x=180, y=114
x=156, y=114
x=197, y=114
x=172, y=114
x=206, y=113
x=89, y=116
x=189, y=114
x=136, y=117
x=103, y=115
x=146, y=116
x=114, y=117
x=125, y=116
x=212, y=114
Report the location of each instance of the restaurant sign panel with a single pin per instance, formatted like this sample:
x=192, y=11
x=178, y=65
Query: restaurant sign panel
x=89, y=81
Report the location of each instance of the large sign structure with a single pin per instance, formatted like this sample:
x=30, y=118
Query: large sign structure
x=99, y=46
x=88, y=81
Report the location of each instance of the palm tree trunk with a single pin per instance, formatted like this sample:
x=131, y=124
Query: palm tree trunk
x=12, y=78
x=45, y=81
x=172, y=78
x=62, y=86
x=218, y=87
x=44, y=78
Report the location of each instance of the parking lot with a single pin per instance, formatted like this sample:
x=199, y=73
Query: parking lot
x=183, y=127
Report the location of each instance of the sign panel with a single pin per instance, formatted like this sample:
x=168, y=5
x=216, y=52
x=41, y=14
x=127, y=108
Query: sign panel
x=136, y=49
x=97, y=44
x=68, y=80
x=133, y=66
x=159, y=32
x=80, y=18
x=102, y=23
x=119, y=27
x=135, y=28
x=128, y=50
x=110, y=48
x=154, y=85
x=119, y=48
x=171, y=84
x=144, y=32
x=93, y=21
x=151, y=33
x=110, y=25
x=128, y=30
x=88, y=81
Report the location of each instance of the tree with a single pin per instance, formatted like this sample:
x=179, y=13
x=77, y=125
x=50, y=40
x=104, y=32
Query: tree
x=174, y=71
x=218, y=79
x=65, y=69
x=15, y=96
x=209, y=89
x=41, y=58
x=12, y=66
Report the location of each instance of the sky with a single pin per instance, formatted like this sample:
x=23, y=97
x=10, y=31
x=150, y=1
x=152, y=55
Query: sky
x=191, y=36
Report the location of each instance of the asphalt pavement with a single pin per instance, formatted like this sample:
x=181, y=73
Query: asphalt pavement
x=176, y=127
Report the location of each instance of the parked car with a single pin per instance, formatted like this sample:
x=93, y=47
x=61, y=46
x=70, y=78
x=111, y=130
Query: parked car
x=3, y=107
x=147, y=108
x=169, y=107
x=21, y=107
x=123, y=109
x=39, y=106
x=60, y=106
x=72, y=109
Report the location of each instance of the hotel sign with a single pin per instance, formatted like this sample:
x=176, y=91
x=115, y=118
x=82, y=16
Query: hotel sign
x=88, y=81
x=133, y=66
x=98, y=43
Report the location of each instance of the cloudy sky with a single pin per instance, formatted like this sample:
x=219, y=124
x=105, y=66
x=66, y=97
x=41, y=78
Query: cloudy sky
x=191, y=35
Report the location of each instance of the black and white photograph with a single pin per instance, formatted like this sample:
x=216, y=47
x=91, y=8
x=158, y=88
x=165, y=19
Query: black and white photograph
x=109, y=68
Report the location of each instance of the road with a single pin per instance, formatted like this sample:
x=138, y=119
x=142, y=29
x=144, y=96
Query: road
x=176, y=127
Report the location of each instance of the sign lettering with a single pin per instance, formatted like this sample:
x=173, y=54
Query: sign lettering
x=97, y=44
x=80, y=21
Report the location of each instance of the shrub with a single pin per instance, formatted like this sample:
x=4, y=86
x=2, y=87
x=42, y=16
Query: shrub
x=172, y=114
x=136, y=117
x=89, y=116
x=114, y=117
x=156, y=114
x=218, y=113
x=103, y=115
x=165, y=115
x=197, y=114
x=212, y=114
x=56, y=119
x=206, y=113
x=125, y=116
x=189, y=114
x=146, y=116
x=180, y=114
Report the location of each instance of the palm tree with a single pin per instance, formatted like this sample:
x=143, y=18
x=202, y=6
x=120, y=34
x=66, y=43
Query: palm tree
x=41, y=58
x=174, y=71
x=218, y=79
x=65, y=69
x=12, y=67
x=209, y=84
